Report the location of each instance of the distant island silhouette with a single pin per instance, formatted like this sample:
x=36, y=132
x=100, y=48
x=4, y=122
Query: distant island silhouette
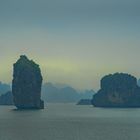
x=51, y=93
x=118, y=90
x=85, y=102
x=66, y=94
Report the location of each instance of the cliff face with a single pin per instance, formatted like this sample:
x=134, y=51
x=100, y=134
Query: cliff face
x=118, y=90
x=26, y=84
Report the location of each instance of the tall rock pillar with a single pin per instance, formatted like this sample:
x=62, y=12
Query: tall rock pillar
x=26, y=84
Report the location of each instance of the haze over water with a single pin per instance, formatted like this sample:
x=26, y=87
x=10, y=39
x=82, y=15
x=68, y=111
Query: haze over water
x=69, y=122
x=76, y=42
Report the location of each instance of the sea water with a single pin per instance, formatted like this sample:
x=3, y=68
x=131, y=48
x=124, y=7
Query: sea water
x=69, y=122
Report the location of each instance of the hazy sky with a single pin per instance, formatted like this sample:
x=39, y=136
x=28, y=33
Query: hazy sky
x=75, y=41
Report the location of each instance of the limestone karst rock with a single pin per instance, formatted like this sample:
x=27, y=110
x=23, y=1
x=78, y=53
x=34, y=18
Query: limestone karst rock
x=118, y=90
x=26, y=84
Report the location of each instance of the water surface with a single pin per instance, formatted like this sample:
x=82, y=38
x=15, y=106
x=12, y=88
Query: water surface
x=69, y=122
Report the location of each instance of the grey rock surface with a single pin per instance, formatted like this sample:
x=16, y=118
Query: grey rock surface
x=118, y=90
x=26, y=84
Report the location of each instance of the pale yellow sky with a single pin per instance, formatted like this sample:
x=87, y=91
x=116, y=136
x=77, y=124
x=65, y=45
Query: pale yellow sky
x=74, y=43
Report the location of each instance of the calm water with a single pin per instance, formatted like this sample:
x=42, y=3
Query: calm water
x=69, y=122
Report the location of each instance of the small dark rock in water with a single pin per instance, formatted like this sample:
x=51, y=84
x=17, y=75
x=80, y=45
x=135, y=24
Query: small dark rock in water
x=26, y=84
x=6, y=99
x=118, y=90
x=84, y=102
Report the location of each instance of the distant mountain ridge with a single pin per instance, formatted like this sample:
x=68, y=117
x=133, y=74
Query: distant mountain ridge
x=4, y=88
x=51, y=93
x=6, y=99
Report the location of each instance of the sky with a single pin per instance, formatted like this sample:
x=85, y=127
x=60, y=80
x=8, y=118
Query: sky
x=75, y=42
